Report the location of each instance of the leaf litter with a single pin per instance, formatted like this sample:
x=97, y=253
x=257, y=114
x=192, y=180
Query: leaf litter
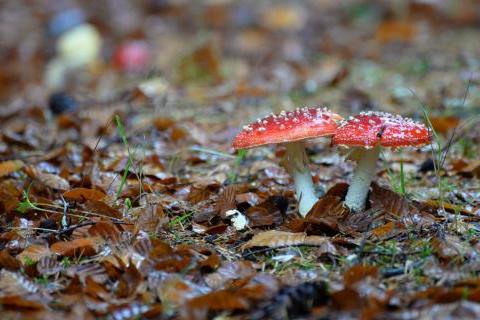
x=122, y=198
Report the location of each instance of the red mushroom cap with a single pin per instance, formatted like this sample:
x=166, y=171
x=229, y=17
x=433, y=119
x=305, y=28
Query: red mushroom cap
x=132, y=56
x=288, y=126
x=369, y=129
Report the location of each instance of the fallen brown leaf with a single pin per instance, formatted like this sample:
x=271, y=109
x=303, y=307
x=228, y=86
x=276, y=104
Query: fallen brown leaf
x=78, y=247
x=83, y=194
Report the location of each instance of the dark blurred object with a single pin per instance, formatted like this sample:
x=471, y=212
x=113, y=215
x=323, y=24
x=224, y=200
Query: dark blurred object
x=48, y=224
x=132, y=56
x=294, y=301
x=426, y=166
x=356, y=100
x=65, y=20
x=61, y=102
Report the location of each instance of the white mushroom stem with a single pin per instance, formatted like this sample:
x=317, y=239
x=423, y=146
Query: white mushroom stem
x=297, y=167
x=362, y=178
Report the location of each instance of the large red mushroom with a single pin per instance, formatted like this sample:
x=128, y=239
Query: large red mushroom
x=291, y=128
x=367, y=133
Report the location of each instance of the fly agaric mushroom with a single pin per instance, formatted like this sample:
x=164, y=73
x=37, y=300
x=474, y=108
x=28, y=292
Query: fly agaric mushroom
x=291, y=128
x=367, y=133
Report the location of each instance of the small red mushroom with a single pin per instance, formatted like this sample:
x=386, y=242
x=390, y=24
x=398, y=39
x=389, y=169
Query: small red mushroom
x=368, y=132
x=132, y=56
x=291, y=128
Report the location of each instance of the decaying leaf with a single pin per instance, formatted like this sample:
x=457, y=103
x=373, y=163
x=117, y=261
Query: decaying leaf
x=275, y=239
x=16, y=302
x=326, y=214
x=33, y=253
x=7, y=167
x=8, y=262
x=109, y=232
x=53, y=181
x=391, y=202
x=450, y=247
x=358, y=273
x=226, y=200
x=78, y=247
x=83, y=194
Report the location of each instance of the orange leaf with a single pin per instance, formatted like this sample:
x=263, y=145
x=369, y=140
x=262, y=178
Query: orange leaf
x=387, y=229
x=358, y=273
x=34, y=253
x=82, y=194
x=395, y=30
x=18, y=303
x=218, y=301
x=7, y=167
x=444, y=124
x=8, y=262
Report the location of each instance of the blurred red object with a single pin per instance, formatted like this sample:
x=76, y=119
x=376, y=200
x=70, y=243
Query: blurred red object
x=132, y=56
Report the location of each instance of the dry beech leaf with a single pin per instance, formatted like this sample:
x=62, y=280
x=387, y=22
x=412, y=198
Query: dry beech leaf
x=198, y=194
x=48, y=266
x=18, y=303
x=78, y=247
x=109, y=232
x=283, y=17
x=347, y=299
x=358, y=273
x=151, y=218
x=259, y=216
x=226, y=200
x=96, y=290
x=450, y=207
x=326, y=215
x=10, y=166
x=53, y=181
x=391, y=202
x=8, y=262
x=471, y=169
x=395, y=30
x=211, y=262
x=387, y=230
x=444, y=124
x=34, y=253
x=203, y=64
x=222, y=300
x=102, y=208
x=129, y=281
x=274, y=239
x=229, y=271
x=450, y=247
x=163, y=124
x=82, y=194
x=16, y=283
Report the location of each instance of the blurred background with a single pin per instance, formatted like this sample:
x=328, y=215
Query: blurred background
x=208, y=60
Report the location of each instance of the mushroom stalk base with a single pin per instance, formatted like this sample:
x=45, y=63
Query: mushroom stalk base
x=362, y=178
x=296, y=166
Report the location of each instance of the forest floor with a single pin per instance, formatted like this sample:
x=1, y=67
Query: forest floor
x=114, y=206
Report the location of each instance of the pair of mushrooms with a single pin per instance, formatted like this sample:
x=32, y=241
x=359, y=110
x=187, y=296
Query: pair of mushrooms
x=366, y=132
